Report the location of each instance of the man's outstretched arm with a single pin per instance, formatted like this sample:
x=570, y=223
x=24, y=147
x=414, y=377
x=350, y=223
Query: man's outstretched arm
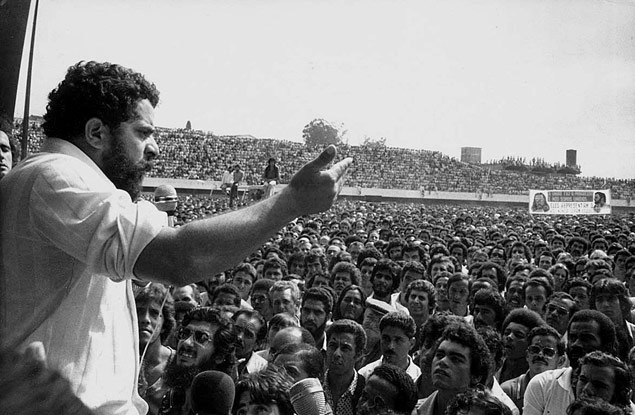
x=200, y=249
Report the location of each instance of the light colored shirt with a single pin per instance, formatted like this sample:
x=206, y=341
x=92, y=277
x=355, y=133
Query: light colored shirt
x=413, y=370
x=69, y=243
x=549, y=392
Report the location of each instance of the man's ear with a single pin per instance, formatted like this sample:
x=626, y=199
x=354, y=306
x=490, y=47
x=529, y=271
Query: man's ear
x=413, y=340
x=96, y=133
x=561, y=361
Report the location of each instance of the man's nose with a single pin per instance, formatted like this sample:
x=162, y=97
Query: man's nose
x=152, y=149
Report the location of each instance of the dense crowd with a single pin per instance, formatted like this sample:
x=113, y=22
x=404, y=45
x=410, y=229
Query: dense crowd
x=110, y=307
x=198, y=155
x=455, y=308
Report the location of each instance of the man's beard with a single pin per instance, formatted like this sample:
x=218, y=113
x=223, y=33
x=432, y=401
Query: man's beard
x=123, y=172
x=318, y=332
x=177, y=376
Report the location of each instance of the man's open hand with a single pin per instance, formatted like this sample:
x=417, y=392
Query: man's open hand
x=313, y=189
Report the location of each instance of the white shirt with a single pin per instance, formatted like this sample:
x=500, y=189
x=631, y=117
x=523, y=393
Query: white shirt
x=549, y=392
x=69, y=243
x=413, y=370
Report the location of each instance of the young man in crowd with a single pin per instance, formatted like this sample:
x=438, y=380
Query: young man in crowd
x=461, y=361
x=251, y=330
x=551, y=392
x=315, y=313
x=545, y=352
x=243, y=278
x=261, y=299
x=488, y=308
x=388, y=390
x=605, y=377
x=411, y=271
x=385, y=280
x=516, y=327
x=155, y=315
x=397, y=336
x=346, y=341
x=206, y=341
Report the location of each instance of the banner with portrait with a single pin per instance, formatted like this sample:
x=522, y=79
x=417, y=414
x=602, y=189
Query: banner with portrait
x=570, y=202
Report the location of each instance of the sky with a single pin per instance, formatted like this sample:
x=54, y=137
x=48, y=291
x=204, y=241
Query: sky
x=528, y=78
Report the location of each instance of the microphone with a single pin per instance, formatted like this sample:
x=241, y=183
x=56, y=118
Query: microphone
x=166, y=199
x=307, y=398
x=212, y=393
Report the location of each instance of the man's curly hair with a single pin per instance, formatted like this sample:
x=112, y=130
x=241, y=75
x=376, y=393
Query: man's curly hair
x=106, y=91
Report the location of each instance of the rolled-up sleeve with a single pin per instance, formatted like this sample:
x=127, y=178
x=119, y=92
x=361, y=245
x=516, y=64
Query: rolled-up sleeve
x=90, y=220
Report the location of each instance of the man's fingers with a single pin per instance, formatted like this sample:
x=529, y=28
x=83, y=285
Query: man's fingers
x=323, y=160
x=340, y=168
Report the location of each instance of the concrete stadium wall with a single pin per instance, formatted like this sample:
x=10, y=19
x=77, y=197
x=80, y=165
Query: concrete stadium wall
x=212, y=187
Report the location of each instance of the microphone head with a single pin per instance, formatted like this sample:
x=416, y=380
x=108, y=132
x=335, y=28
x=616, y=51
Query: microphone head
x=307, y=398
x=212, y=392
x=165, y=198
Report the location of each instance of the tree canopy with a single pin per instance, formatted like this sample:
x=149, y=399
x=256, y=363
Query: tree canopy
x=320, y=132
x=374, y=143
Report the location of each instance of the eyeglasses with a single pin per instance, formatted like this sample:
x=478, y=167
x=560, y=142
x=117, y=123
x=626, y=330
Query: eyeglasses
x=546, y=351
x=258, y=299
x=200, y=337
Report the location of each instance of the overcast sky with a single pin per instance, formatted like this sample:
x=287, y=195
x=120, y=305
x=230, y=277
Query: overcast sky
x=515, y=77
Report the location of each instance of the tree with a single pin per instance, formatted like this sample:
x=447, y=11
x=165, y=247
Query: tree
x=320, y=132
x=188, y=125
x=374, y=143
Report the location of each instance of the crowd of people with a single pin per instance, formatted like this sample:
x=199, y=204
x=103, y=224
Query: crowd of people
x=299, y=304
x=198, y=155
x=414, y=309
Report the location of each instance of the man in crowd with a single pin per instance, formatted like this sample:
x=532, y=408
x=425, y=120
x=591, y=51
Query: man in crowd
x=385, y=280
x=488, y=308
x=300, y=360
x=551, y=392
x=289, y=335
x=461, y=361
x=261, y=299
x=315, y=312
x=605, y=377
x=187, y=294
x=609, y=296
x=155, y=315
x=559, y=310
x=545, y=352
x=274, y=269
x=206, y=341
x=344, y=274
x=516, y=327
x=243, y=278
x=411, y=271
x=285, y=297
x=7, y=148
x=345, y=344
x=397, y=336
x=388, y=390
x=251, y=330
x=86, y=182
